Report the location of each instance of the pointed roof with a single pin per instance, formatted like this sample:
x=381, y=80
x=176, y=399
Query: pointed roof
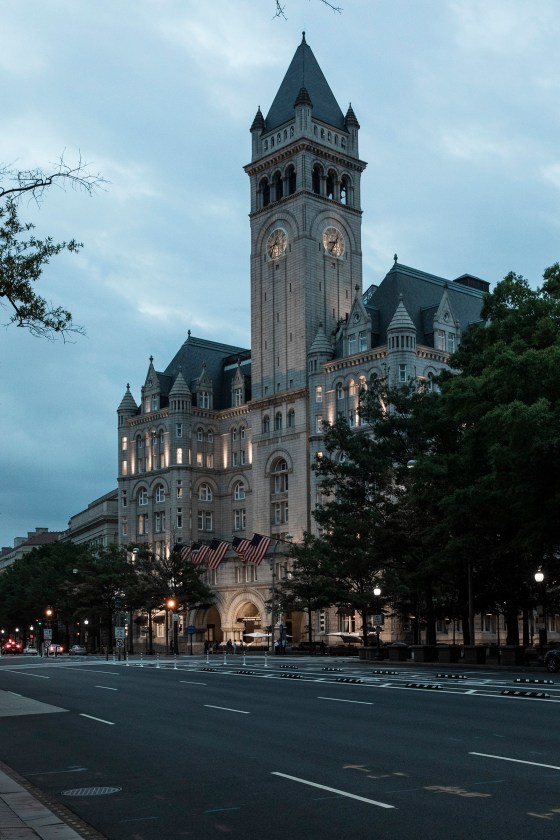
x=304, y=72
x=180, y=387
x=401, y=320
x=128, y=403
x=321, y=344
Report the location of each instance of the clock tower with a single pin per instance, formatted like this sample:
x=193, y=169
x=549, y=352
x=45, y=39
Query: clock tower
x=306, y=257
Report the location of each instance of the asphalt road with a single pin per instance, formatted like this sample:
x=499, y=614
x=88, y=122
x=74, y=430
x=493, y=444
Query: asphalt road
x=287, y=751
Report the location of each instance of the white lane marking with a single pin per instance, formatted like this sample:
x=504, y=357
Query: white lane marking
x=334, y=790
x=107, y=687
x=225, y=709
x=338, y=700
x=100, y=720
x=25, y=674
x=191, y=682
x=516, y=760
x=92, y=671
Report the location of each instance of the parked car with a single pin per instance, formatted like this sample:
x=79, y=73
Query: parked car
x=11, y=647
x=30, y=651
x=54, y=650
x=552, y=660
x=77, y=650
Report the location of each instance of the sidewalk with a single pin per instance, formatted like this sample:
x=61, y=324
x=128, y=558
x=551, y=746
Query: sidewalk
x=24, y=817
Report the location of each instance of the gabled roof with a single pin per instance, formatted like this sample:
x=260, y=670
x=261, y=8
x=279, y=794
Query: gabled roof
x=304, y=72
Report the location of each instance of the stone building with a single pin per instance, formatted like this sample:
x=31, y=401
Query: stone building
x=222, y=441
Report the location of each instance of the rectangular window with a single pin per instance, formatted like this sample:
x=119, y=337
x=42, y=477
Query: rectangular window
x=450, y=343
x=124, y=444
x=351, y=344
x=124, y=470
x=124, y=498
x=239, y=519
x=179, y=489
x=319, y=393
x=205, y=520
x=242, y=456
x=199, y=459
x=160, y=522
x=155, y=402
x=318, y=424
x=179, y=430
x=402, y=373
x=210, y=461
x=363, y=341
x=179, y=454
x=142, y=524
x=234, y=459
x=179, y=517
x=124, y=529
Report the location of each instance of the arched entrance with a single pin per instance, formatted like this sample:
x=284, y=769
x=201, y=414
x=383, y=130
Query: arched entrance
x=213, y=623
x=248, y=620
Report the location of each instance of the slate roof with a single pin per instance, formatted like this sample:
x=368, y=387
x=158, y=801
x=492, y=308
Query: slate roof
x=421, y=293
x=197, y=352
x=304, y=72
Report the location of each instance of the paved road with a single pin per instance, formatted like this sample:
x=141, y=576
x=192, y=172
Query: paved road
x=314, y=748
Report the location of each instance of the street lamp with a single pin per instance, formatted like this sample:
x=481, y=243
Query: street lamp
x=171, y=604
x=543, y=634
x=377, y=593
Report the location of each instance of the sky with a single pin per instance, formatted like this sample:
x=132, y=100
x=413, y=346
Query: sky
x=460, y=126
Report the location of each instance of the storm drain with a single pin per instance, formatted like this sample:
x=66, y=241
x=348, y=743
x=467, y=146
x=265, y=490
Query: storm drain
x=91, y=791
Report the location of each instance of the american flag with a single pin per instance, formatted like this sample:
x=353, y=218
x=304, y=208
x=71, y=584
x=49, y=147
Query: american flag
x=217, y=553
x=257, y=549
x=198, y=553
x=240, y=546
x=185, y=551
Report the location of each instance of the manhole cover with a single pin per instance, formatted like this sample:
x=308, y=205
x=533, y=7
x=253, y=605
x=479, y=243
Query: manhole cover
x=91, y=791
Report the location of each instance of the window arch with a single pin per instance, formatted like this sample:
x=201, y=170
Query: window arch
x=316, y=179
x=291, y=419
x=143, y=496
x=339, y=391
x=266, y=424
x=242, y=433
x=345, y=190
x=278, y=186
x=233, y=434
x=291, y=179
x=238, y=491
x=264, y=188
x=205, y=493
x=279, y=476
x=278, y=421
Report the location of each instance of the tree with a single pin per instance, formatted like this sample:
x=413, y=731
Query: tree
x=281, y=8
x=498, y=449
x=23, y=256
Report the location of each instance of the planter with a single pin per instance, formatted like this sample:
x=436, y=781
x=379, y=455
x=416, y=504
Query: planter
x=372, y=652
x=475, y=654
x=398, y=653
x=449, y=653
x=424, y=653
x=512, y=655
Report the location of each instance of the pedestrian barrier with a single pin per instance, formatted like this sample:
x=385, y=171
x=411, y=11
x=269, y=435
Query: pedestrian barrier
x=539, y=695
x=432, y=686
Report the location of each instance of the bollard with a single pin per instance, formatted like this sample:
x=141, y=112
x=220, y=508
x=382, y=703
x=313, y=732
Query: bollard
x=175, y=662
x=225, y=658
x=244, y=658
x=157, y=660
x=141, y=661
x=207, y=658
x=265, y=661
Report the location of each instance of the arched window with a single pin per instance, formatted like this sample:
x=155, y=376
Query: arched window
x=316, y=180
x=266, y=424
x=143, y=496
x=234, y=434
x=291, y=178
x=330, y=184
x=280, y=477
x=278, y=421
x=205, y=493
x=160, y=493
x=278, y=186
x=265, y=192
x=339, y=391
x=242, y=432
x=344, y=190
x=291, y=419
x=238, y=491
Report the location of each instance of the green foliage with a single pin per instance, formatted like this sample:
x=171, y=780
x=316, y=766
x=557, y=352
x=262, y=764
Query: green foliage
x=22, y=259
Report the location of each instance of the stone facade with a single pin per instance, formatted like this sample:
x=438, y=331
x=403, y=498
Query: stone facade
x=222, y=441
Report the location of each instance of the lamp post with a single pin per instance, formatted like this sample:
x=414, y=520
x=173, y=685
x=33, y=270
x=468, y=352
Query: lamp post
x=171, y=604
x=377, y=593
x=543, y=634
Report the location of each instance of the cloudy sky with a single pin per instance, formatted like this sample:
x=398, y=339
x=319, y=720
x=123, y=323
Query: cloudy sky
x=458, y=104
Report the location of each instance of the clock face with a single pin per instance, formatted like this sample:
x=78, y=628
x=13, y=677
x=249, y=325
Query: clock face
x=277, y=243
x=333, y=242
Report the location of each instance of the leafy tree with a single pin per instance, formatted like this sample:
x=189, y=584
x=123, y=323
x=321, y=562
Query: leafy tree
x=23, y=256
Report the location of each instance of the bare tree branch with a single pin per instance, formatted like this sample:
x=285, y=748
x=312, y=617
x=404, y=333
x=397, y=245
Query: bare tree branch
x=281, y=8
x=16, y=182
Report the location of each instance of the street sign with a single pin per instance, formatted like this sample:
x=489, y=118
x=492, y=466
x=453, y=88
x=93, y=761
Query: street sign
x=119, y=633
x=379, y=619
x=47, y=633
x=120, y=643
x=191, y=629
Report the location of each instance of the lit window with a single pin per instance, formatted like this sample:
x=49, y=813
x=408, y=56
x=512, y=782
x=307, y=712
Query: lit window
x=179, y=454
x=319, y=393
x=142, y=524
x=179, y=489
x=124, y=468
x=124, y=444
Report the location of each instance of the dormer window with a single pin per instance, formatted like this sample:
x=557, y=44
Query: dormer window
x=204, y=399
x=154, y=402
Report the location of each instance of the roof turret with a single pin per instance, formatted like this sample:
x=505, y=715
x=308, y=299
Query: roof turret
x=401, y=320
x=128, y=403
x=321, y=345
